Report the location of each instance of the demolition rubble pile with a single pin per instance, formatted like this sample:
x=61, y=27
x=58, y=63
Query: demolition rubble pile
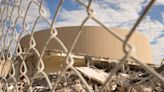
x=131, y=78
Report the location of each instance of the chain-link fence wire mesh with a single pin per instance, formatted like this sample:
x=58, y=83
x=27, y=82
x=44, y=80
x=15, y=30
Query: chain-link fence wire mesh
x=14, y=26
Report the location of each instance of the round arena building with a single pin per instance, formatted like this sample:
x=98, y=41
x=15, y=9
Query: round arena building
x=94, y=41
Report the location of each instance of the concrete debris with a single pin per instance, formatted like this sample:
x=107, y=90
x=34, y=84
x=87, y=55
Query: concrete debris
x=94, y=74
x=132, y=79
x=120, y=82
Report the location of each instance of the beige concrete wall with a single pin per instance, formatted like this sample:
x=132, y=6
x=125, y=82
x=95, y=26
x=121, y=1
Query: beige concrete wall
x=95, y=41
x=5, y=68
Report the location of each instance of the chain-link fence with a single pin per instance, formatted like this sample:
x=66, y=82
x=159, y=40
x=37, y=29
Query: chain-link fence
x=13, y=26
